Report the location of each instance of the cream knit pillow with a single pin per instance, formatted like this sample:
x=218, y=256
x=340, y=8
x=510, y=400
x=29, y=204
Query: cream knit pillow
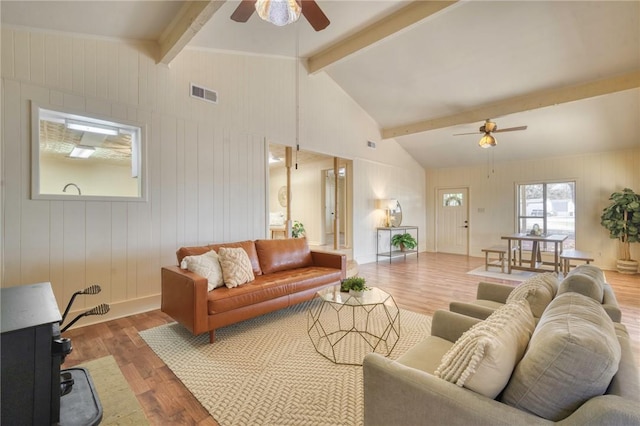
x=538, y=290
x=206, y=265
x=236, y=266
x=484, y=357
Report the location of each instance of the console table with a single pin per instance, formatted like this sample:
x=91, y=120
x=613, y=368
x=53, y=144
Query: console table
x=388, y=232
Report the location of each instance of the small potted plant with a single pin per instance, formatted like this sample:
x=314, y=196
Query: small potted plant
x=404, y=241
x=622, y=219
x=297, y=230
x=356, y=286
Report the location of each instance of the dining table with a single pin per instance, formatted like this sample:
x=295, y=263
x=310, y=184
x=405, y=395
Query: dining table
x=536, y=263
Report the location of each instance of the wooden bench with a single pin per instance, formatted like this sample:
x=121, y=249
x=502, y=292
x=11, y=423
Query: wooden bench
x=568, y=255
x=501, y=251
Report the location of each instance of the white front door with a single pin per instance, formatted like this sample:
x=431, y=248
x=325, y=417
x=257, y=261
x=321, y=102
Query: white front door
x=452, y=221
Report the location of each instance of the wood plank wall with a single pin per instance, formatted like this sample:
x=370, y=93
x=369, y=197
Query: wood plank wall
x=206, y=163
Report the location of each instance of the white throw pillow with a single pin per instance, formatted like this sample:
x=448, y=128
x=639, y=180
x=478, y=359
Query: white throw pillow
x=206, y=265
x=484, y=357
x=236, y=266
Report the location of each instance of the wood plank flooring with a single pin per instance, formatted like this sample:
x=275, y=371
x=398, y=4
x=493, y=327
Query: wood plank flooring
x=423, y=284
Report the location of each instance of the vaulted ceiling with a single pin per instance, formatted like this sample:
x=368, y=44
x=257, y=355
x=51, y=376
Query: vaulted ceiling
x=423, y=70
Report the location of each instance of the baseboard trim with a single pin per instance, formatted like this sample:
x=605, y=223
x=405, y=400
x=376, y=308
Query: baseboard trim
x=121, y=309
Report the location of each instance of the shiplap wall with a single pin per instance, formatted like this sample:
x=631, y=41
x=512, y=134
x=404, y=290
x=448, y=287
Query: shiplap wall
x=206, y=164
x=596, y=176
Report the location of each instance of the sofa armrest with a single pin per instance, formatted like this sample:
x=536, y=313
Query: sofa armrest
x=330, y=260
x=471, y=310
x=492, y=291
x=184, y=298
x=450, y=325
x=604, y=410
x=610, y=303
x=395, y=394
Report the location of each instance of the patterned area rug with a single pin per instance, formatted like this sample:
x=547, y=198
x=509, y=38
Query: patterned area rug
x=265, y=371
x=495, y=273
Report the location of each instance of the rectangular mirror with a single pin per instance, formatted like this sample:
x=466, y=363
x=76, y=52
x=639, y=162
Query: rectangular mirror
x=75, y=156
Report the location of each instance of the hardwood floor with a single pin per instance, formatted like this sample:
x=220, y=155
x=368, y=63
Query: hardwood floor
x=424, y=284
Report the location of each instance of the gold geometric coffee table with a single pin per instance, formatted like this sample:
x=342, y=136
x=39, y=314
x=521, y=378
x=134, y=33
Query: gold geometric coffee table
x=344, y=328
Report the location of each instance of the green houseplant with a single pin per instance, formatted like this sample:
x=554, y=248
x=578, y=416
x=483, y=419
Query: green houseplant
x=622, y=219
x=354, y=285
x=297, y=230
x=404, y=241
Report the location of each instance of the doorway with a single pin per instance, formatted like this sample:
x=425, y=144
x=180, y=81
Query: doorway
x=452, y=220
x=330, y=186
x=313, y=187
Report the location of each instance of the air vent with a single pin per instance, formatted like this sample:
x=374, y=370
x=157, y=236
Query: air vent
x=203, y=93
x=371, y=144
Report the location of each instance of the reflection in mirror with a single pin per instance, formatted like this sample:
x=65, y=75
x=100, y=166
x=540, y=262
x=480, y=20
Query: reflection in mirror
x=75, y=156
x=395, y=214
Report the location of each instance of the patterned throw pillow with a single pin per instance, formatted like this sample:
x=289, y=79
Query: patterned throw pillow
x=236, y=266
x=484, y=357
x=538, y=290
x=206, y=265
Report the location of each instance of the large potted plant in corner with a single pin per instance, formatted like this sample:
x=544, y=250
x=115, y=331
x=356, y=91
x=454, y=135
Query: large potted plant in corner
x=622, y=220
x=404, y=241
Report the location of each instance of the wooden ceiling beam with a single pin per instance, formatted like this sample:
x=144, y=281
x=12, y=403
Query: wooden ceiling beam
x=522, y=103
x=192, y=17
x=387, y=26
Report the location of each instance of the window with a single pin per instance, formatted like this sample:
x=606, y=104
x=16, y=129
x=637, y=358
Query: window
x=452, y=200
x=80, y=157
x=551, y=206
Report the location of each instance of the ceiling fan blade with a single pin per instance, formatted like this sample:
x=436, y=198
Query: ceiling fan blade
x=244, y=11
x=472, y=133
x=510, y=129
x=314, y=15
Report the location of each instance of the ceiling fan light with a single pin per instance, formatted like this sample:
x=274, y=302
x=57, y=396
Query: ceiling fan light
x=278, y=12
x=487, y=141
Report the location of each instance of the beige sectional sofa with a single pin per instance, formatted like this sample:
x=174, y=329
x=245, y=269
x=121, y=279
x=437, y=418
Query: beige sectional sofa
x=571, y=366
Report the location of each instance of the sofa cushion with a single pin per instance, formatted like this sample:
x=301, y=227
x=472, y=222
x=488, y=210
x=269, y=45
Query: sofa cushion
x=583, y=284
x=236, y=266
x=591, y=270
x=248, y=246
x=283, y=254
x=572, y=357
x=206, y=265
x=484, y=357
x=270, y=286
x=538, y=290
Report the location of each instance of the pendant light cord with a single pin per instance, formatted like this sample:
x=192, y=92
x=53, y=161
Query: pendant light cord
x=297, y=91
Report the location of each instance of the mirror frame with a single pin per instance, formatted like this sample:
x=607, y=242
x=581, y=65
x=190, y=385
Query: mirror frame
x=138, y=155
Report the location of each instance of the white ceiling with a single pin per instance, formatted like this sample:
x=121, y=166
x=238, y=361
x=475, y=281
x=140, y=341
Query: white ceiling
x=457, y=63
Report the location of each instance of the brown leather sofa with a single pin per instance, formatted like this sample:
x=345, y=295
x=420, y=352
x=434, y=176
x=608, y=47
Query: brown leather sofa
x=286, y=272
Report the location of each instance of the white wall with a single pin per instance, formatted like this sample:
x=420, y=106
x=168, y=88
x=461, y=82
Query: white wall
x=92, y=177
x=206, y=163
x=596, y=176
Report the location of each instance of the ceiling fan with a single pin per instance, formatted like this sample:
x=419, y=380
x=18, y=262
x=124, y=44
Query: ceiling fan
x=487, y=128
x=310, y=10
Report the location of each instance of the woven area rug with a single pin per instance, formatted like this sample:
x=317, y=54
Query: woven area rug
x=495, y=273
x=119, y=404
x=265, y=371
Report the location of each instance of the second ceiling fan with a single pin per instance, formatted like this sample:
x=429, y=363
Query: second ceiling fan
x=487, y=128
x=310, y=10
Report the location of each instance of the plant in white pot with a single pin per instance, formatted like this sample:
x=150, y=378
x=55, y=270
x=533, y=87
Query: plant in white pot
x=622, y=219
